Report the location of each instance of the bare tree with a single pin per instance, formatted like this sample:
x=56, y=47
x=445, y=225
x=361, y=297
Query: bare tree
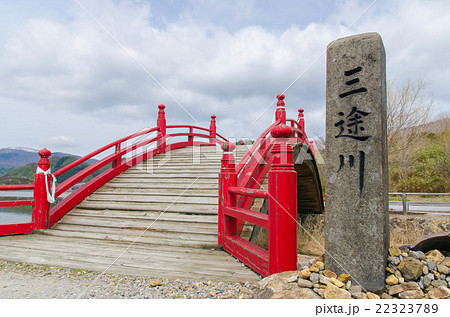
x=408, y=110
x=319, y=143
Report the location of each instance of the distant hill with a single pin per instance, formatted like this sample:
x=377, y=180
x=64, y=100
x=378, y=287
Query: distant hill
x=14, y=157
x=18, y=165
x=25, y=174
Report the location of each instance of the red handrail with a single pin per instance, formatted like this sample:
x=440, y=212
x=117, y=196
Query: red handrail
x=294, y=121
x=17, y=187
x=251, y=173
x=118, y=166
x=301, y=135
x=239, y=186
x=118, y=154
x=79, y=194
x=177, y=126
x=253, y=168
x=255, y=147
x=101, y=150
x=16, y=203
x=187, y=134
x=40, y=204
x=67, y=184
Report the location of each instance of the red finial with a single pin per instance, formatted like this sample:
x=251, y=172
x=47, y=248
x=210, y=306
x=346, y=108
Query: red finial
x=44, y=162
x=44, y=153
x=213, y=117
x=161, y=113
x=300, y=114
x=228, y=146
x=280, y=102
x=281, y=131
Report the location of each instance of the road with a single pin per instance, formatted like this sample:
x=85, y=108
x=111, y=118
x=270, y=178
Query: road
x=417, y=206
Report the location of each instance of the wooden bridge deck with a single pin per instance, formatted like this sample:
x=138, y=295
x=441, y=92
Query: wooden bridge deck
x=158, y=219
x=141, y=259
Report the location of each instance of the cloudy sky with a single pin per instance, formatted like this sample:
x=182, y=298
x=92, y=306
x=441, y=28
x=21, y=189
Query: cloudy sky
x=77, y=74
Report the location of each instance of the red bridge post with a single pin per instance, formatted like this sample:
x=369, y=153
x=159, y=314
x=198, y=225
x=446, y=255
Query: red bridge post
x=282, y=202
x=301, y=122
x=118, y=160
x=40, y=214
x=161, y=124
x=227, y=178
x=212, y=128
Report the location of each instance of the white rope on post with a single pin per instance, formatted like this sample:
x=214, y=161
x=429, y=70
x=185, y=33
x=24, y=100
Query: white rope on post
x=50, y=195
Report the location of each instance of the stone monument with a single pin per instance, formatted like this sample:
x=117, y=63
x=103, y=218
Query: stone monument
x=357, y=210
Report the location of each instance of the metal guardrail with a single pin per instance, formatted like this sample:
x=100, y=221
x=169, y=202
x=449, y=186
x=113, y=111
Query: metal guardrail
x=405, y=204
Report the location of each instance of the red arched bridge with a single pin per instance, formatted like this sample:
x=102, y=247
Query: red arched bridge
x=167, y=201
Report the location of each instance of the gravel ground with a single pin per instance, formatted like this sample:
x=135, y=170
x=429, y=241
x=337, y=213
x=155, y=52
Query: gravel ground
x=21, y=280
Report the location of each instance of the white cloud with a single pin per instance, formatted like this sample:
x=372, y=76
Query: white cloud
x=71, y=66
x=60, y=141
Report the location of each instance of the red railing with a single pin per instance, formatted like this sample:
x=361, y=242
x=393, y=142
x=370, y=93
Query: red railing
x=39, y=215
x=239, y=186
x=43, y=217
x=20, y=227
x=271, y=154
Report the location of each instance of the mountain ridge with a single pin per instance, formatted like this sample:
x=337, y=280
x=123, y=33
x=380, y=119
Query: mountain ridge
x=14, y=157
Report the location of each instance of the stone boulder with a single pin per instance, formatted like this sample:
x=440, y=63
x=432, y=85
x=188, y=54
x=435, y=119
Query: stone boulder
x=278, y=286
x=439, y=292
x=334, y=292
x=411, y=268
x=435, y=255
x=296, y=293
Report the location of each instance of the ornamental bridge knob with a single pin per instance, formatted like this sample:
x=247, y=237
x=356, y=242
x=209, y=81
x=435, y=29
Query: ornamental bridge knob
x=228, y=146
x=44, y=153
x=281, y=131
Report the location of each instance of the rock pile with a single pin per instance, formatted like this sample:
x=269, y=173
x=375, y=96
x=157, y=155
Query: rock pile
x=414, y=275
x=410, y=275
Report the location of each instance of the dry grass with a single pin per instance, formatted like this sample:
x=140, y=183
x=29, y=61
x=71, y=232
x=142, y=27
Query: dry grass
x=310, y=236
x=401, y=237
x=404, y=230
x=407, y=229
